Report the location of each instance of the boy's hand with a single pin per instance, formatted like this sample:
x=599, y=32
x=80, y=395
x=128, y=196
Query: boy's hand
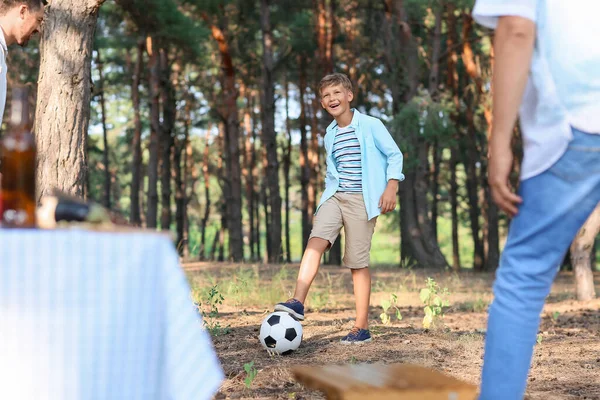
x=500, y=165
x=387, y=202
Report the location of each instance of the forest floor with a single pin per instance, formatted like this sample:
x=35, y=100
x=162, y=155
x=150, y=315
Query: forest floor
x=566, y=362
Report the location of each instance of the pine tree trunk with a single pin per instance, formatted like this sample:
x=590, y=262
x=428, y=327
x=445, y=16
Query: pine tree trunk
x=435, y=187
x=154, y=89
x=453, y=84
x=581, y=251
x=472, y=154
x=269, y=137
x=63, y=97
x=304, y=163
x=180, y=170
x=287, y=161
x=107, y=177
x=206, y=176
x=136, y=142
x=248, y=172
x=454, y=210
x=166, y=138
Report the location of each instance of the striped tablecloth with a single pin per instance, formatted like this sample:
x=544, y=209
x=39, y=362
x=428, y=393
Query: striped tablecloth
x=90, y=315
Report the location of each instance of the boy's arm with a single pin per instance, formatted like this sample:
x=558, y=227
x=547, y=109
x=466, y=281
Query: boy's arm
x=513, y=47
x=386, y=144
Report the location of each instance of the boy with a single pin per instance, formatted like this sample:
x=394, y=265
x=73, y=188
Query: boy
x=547, y=61
x=364, y=166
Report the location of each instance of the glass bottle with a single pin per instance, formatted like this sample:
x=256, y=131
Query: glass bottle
x=17, y=166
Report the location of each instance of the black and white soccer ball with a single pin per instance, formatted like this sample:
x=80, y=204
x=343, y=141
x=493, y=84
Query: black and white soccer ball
x=280, y=333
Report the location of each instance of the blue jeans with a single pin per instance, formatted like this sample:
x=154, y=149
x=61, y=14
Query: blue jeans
x=555, y=205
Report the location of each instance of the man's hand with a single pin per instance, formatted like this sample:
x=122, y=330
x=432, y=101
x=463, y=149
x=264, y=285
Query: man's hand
x=500, y=165
x=387, y=202
x=513, y=44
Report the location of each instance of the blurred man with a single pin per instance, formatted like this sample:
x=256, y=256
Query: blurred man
x=19, y=20
x=547, y=66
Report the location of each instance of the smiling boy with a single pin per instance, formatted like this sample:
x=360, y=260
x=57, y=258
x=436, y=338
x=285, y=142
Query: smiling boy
x=364, y=166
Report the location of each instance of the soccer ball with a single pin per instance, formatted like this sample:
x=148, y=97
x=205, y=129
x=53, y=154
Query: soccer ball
x=280, y=333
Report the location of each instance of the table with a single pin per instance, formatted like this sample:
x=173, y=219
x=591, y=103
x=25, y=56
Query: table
x=99, y=316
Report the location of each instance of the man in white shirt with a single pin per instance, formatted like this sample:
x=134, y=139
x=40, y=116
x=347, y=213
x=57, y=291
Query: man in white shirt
x=547, y=60
x=19, y=20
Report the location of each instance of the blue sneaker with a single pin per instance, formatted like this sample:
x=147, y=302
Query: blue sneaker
x=357, y=336
x=292, y=307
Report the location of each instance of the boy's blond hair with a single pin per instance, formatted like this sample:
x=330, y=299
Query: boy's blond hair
x=335, y=79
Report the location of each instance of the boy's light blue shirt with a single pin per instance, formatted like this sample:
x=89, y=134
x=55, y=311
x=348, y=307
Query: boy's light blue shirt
x=381, y=160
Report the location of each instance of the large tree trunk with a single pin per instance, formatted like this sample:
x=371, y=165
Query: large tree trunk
x=136, y=141
x=472, y=155
x=233, y=181
x=269, y=137
x=401, y=60
x=581, y=251
x=63, y=98
x=325, y=28
x=107, y=177
x=154, y=89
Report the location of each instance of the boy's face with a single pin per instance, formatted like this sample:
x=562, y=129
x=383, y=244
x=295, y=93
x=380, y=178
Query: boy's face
x=336, y=99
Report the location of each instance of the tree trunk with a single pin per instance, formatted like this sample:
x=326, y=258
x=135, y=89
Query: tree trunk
x=248, y=171
x=435, y=51
x=472, y=155
x=233, y=199
x=167, y=140
x=136, y=142
x=269, y=137
x=63, y=97
x=287, y=161
x=256, y=193
x=107, y=177
x=265, y=203
x=454, y=210
x=180, y=165
x=154, y=86
x=304, y=164
x=435, y=187
x=453, y=84
x=206, y=176
x=581, y=251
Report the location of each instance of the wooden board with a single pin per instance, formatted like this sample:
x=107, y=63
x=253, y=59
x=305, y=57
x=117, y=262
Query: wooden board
x=379, y=381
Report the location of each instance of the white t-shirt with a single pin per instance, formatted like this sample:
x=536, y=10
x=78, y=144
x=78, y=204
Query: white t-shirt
x=3, y=53
x=563, y=89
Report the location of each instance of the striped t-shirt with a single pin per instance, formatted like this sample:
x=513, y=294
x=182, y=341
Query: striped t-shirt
x=346, y=153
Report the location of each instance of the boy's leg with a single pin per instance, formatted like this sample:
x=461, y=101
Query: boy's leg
x=362, y=293
x=358, y=232
x=326, y=228
x=555, y=205
x=311, y=259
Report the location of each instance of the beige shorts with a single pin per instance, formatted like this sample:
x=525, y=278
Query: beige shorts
x=347, y=210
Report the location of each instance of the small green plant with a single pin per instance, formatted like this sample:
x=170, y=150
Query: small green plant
x=353, y=360
x=387, y=305
x=435, y=304
x=555, y=316
x=539, y=338
x=210, y=312
x=251, y=373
